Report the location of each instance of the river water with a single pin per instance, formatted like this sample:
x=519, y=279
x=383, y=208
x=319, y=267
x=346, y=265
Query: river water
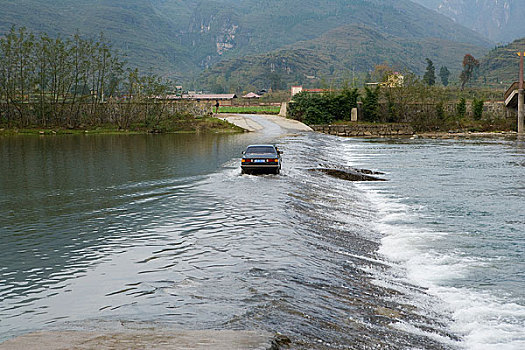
x=164, y=231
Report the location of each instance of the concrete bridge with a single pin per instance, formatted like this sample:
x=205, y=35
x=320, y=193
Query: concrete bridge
x=515, y=95
x=511, y=96
x=515, y=100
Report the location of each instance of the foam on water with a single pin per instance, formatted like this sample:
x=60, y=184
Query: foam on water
x=483, y=320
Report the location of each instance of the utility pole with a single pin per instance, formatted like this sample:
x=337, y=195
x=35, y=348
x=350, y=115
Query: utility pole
x=521, y=97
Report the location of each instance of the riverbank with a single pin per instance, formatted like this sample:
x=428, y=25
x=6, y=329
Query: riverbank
x=196, y=125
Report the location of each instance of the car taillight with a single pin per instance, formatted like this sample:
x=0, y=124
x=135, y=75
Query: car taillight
x=246, y=160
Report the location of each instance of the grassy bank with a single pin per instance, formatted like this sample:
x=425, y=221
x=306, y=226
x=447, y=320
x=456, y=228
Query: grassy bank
x=195, y=125
x=250, y=109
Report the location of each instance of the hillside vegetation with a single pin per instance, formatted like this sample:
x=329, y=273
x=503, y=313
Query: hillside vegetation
x=338, y=55
x=180, y=38
x=500, y=67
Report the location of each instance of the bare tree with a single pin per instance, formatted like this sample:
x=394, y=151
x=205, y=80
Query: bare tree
x=469, y=65
x=70, y=81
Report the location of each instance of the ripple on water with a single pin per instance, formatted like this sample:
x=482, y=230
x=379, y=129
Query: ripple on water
x=299, y=254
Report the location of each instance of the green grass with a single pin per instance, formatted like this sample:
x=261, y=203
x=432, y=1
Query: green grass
x=251, y=109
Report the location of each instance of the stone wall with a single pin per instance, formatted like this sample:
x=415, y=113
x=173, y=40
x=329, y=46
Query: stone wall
x=365, y=129
x=491, y=109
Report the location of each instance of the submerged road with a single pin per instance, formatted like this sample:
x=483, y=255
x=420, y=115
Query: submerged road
x=156, y=241
x=141, y=339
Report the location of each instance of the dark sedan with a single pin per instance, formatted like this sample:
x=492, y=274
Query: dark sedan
x=262, y=159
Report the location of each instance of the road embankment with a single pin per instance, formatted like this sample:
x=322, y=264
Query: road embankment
x=248, y=123
x=365, y=130
x=401, y=130
x=144, y=339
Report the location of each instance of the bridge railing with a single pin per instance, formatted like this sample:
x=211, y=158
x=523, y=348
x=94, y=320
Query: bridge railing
x=513, y=87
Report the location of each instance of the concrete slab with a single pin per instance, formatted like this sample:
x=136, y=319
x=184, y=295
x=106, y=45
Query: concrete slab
x=142, y=339
x=244, y=121
x=290, y=124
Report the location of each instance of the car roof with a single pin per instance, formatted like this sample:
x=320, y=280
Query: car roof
x=266, y=145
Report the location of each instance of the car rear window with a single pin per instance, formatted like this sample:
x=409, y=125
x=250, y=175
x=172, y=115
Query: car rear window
x=260, y=150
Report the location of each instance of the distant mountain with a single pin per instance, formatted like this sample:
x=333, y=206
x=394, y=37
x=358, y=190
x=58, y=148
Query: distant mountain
x=498, y=20
x=336, y=56
x=180, y=38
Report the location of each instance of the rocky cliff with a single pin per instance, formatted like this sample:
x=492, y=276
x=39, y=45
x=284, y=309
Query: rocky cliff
x=498, y=20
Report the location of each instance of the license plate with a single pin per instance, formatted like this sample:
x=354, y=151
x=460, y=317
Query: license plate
x=259, y=161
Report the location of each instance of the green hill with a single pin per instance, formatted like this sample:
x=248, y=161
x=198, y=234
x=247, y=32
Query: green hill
x=133, y=26
x=180, y=38
x=335, y=56
x=501, y=65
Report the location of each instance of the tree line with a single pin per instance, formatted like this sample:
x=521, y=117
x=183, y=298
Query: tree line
x=425, y=107
x=72, y=82
x=324, y=108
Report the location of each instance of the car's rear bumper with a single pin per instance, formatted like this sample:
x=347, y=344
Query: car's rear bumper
x=259, y=166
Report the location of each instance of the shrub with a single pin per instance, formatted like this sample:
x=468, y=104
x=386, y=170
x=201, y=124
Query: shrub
x=371, y=104
x=440, y=111
x=316, y=115
x=477, y=108
x=323, y=108
x=461, y=108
